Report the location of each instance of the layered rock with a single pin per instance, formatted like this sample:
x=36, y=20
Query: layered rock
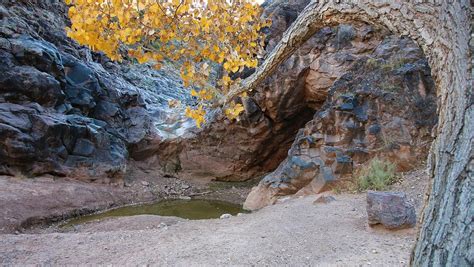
x=382, y=106
x=96, y=115
x=67, y=111
x=259, y=141
x=284, y=103
x=70, y=112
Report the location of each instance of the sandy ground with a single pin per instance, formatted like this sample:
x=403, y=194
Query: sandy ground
x=296, y=232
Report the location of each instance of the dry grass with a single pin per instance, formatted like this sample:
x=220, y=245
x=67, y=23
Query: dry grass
x=377, y=175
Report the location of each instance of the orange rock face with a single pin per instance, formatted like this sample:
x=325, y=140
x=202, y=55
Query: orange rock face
x=368, y=104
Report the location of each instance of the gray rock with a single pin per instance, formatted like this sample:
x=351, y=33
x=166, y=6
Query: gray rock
x=345, y=34
x=84, y=147
x=391, y=209
x=225, y=216
x=65, y=110
x=324, y=200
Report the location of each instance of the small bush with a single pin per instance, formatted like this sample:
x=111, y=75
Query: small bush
x=378, y=175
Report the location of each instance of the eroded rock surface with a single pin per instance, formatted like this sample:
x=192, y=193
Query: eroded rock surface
x=67, y=111
x=70, y=112
x=286, y=101
x=391, y=209
x=259, y=141
x=373, y=97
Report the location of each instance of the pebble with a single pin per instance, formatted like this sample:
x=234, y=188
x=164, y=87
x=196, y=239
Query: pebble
x=324, y=200
x=225, y=216
x=145, y=183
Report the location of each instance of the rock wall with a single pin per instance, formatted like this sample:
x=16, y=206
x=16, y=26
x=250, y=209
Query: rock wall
x=303, y=86
x=374, y=97
x=259, y=141
x=67, y=111
x=278, y=108
x=71, y=112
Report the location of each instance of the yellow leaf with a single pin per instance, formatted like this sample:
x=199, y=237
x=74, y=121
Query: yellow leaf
x=226, y=65
x=221, y=31
x=235, y=69
x=234, y=111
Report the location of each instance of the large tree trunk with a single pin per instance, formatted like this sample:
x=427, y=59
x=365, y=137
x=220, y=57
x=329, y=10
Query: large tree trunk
x=443, y=31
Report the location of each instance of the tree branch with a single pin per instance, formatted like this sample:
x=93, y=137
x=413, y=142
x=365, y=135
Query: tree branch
x=300, y=31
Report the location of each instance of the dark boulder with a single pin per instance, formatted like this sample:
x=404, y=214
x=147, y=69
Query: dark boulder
x=391, y=209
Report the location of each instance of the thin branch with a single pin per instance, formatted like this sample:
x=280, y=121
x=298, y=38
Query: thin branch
x=301, y=30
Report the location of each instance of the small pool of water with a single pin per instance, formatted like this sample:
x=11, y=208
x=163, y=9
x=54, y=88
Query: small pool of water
x=195, y=209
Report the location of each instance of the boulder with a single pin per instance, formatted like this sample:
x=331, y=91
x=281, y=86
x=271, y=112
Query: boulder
x=259, y=197
x=391, y=209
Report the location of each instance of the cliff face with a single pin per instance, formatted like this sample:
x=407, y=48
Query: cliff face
x=350, y=93
x=70, y=112
x=376, y=72
x=383, y=106
x=373, y=96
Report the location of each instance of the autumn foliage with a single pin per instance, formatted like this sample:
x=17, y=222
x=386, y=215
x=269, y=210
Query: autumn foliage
x=198, y=34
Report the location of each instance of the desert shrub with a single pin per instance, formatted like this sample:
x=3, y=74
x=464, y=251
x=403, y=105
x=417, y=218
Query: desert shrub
x=377, y=175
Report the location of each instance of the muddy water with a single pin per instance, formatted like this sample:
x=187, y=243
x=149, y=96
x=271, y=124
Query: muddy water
x=195, y=209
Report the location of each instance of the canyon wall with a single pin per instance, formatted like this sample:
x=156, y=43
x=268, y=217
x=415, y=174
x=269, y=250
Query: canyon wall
x=67, y=111
x=348, y=94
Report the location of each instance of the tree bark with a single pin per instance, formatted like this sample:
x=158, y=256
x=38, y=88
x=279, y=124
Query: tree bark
x=443, y=30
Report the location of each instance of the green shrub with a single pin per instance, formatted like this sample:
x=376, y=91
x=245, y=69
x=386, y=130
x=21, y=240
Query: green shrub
x=377, y=175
